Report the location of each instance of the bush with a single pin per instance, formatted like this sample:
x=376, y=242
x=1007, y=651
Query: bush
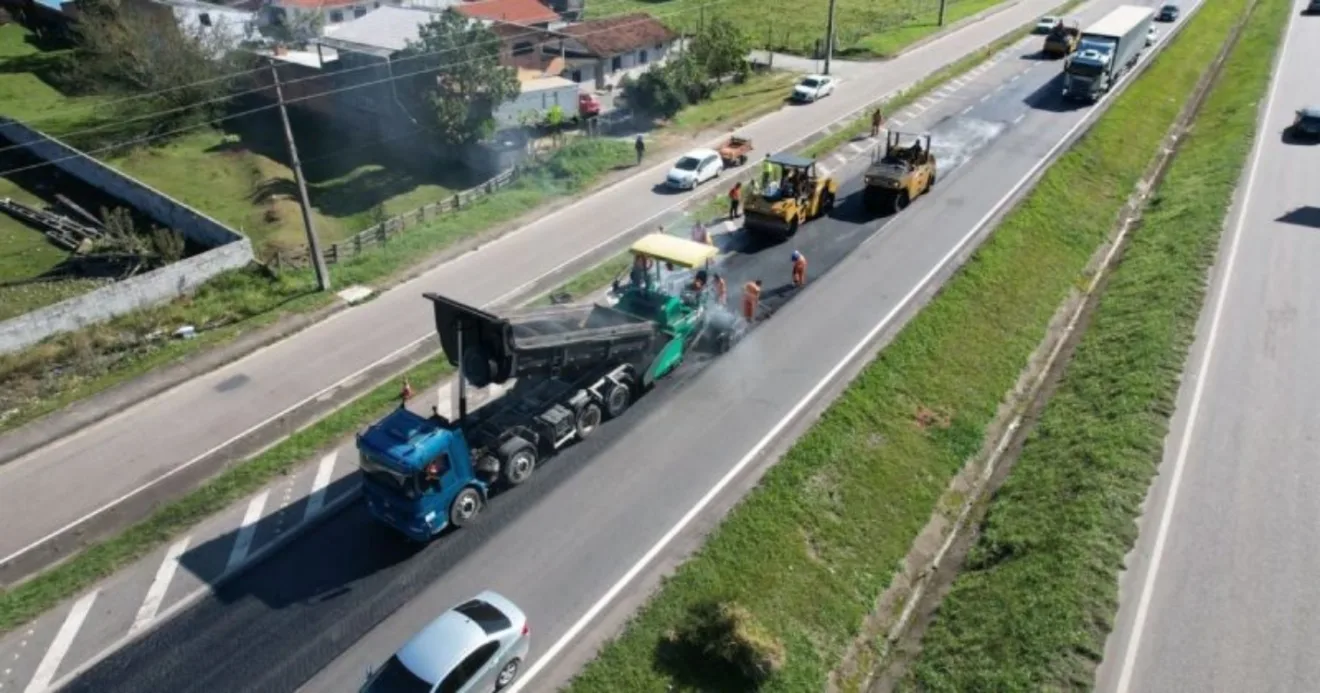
x=729, y=635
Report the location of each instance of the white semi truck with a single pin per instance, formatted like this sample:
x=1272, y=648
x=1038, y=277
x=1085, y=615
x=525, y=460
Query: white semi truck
x=1107, y=50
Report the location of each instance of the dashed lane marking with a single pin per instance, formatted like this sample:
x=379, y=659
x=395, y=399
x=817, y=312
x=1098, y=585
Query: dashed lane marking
x=156, y=593
x=1019, y=118
x=323, y=473
x=246, y=532
x=60, y=646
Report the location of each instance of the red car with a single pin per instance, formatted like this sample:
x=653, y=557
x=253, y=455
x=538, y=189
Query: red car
x=588, y=105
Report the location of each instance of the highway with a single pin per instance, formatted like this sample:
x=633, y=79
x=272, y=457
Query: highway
x=1221, y=591
x=332, y=602
x=116, y=473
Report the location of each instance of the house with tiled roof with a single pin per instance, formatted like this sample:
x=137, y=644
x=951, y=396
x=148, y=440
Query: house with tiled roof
x=601, y=52
x=525, y=12
x=333, y=12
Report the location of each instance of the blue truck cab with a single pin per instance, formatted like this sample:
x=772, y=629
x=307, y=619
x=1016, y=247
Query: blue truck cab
x=417, y=474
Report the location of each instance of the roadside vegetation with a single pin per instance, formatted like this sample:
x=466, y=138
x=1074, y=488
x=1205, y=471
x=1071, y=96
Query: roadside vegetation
x=864, y=28
x=1037, y=595
x=803, y=559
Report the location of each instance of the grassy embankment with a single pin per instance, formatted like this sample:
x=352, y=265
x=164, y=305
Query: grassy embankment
x=1037, y=596
x=803, y=558
x=866, y=28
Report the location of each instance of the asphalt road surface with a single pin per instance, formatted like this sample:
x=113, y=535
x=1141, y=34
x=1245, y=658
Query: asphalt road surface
x=1222, y=593
x=345, y=595
x=110, y=461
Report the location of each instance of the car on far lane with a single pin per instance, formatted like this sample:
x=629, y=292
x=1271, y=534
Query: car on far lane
x=1152, y=35
x=1168, y=13
x=694, y=168
x=1046, y=24
x=813, y=88
x=475, y=647
x=1306, y=124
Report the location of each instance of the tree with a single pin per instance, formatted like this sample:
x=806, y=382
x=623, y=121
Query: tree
x=298, y=27
x=460, y=77
x=178, y=72
x=721, y=48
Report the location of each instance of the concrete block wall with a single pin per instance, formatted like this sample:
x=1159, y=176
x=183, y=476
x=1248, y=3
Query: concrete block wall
x=227, y=249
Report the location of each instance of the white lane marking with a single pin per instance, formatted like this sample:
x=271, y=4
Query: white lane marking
x=965, y=111
x=897, y=122
x=664, y=541
x=316, y=501
x=1203, y=374
x=1015, y=78
x=841, y=159
x=857, y=147
x=987, y=97
x=247, y=531
x=156, y=593
x=186, y=465
x=1019, y=118
x=61, y=644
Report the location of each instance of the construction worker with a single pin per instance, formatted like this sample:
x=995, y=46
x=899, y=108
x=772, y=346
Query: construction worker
x=640, y=275
x=735, y=199
x=877, y=120
x=799, y=269
x=640, y=146
x=721, y=290
x=767, y=172
x=751, y=299
x=405, y=394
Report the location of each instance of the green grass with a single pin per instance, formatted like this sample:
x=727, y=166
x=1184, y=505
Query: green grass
x=1037, y=597
x=864, y=28
x=808, y=551
x=71, y=366
x=735, y=104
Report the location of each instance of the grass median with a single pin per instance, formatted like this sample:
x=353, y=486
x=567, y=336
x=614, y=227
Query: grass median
x=779, y=591
x=1037, y=596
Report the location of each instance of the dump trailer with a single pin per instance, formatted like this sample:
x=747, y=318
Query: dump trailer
x=1107, y=50
x=565, y=370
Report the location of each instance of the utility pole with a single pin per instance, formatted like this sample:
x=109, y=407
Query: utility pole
x=943, y=3
x=829, y=37
x=313, y=244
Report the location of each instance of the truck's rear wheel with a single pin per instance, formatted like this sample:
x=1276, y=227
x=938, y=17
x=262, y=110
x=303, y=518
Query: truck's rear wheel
x=793, y=226
x=618, y=399
x=588, y=419
x=518, y=462
x=465, y=507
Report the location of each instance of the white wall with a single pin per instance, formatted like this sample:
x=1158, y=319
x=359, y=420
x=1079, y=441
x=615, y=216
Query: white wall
x=607, y=72
x=510, y=114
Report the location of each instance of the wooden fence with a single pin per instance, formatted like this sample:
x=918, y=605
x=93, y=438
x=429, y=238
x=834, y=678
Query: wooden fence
x=380, y=234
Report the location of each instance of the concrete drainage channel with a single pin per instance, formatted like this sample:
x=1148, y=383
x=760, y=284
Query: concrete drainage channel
x=919, y=589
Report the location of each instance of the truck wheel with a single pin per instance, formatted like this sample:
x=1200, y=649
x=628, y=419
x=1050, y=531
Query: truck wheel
x=826, y=203
x=901, y=201
x=930, y=182
x=519, y=461
x=793, y=226
x=465, y=507
x=742, y=159
x=617, y=400
x=588, y=420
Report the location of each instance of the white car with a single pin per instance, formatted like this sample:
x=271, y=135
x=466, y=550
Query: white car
x=694, y=168
x=1151, y=35
x=813, y=88
x=1045, y=24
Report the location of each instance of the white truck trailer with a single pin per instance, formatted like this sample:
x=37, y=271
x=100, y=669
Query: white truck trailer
x=1107, y=50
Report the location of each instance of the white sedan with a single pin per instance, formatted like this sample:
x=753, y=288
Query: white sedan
x=1045, y=24
x=694, y=168
x=813, y=88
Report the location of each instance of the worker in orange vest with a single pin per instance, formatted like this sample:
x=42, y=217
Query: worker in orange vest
x=799, y=269
x=751, y=299
x=735, y=200
x=721, y=290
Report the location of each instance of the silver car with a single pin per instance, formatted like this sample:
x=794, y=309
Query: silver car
x=475, y=647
